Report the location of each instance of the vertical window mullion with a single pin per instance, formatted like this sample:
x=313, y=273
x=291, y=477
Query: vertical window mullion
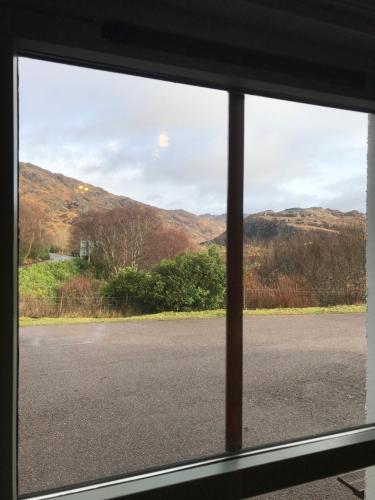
x=234, y=327
x=8, y=287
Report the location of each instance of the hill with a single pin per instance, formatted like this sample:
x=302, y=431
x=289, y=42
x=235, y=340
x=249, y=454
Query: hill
x=63, y=198
x=269, y=224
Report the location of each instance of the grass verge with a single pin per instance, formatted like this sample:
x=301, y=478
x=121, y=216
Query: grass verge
x=219, y=313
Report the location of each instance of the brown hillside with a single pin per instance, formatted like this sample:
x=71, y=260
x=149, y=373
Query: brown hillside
x=269, y=224
x=63, y=198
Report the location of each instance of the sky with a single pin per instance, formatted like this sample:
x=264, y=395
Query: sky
x=165, y=144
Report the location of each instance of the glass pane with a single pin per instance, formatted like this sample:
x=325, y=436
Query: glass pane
x=122, y=197
x=304, y=267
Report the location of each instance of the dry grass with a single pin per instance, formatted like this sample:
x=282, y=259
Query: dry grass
x=219, y=313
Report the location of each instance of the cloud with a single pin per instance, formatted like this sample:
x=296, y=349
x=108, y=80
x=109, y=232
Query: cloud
x=115, y=131
x=303, y=155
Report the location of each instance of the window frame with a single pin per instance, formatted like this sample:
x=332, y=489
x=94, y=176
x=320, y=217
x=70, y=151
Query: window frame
x=235, y=474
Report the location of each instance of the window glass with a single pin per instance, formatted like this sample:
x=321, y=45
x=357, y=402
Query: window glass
x=304, y=270
x=122, y=192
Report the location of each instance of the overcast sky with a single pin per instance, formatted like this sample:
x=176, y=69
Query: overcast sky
x=166, y=144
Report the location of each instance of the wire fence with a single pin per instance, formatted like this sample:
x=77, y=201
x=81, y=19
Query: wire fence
x=88, y=306
x=265, y=298
x=258, y=298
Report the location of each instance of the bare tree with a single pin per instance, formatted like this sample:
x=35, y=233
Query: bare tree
x=32, y=231
x=331, y=264
x=164, y=242
x=127, y=236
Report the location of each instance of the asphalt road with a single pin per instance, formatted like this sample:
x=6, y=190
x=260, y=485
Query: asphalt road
x=104, y=399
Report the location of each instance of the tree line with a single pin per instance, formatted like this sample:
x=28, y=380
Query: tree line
x=140, y=265
x=313, y=268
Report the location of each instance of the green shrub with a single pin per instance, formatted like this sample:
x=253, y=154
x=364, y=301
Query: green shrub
x=189, y=282
x=42, y=254
x=192, y=282
x=43, y=279
x=134, y=291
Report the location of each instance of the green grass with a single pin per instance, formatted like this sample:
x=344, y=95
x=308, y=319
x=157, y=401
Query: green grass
x=219, y=313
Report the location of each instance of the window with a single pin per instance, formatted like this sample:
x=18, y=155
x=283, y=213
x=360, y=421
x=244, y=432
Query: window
x=122, y=191
x=304, y=252
x=304, y=259
x=130, y=172
x=336, y=453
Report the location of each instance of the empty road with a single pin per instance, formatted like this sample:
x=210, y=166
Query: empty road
x=101, y=399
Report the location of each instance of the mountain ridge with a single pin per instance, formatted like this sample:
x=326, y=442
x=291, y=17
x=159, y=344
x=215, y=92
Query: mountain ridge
x=63, y=198
x=269, y=224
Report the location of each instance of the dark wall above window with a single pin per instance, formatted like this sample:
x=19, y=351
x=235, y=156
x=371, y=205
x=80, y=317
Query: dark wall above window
x=322, y=47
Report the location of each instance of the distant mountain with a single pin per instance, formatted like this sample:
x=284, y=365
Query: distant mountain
x=63, y=198
x=269, y=224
